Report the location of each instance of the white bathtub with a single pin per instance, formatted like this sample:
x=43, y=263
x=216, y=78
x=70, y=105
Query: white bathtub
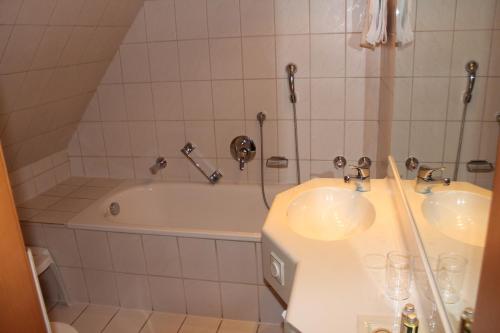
x=220, y=211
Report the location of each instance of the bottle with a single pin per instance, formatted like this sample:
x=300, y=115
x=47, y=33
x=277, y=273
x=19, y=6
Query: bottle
x=466, y=320
x=409, y=308
x=410, y=324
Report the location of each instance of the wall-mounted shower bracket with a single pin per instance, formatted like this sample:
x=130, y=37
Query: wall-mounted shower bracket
x=213, y=177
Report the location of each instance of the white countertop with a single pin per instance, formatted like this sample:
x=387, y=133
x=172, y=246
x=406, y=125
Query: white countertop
x=332, y=284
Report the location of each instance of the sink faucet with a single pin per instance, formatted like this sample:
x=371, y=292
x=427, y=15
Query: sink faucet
x=426, y=181
x=361, y=179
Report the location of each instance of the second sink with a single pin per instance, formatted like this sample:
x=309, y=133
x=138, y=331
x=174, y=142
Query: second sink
x=330, y=213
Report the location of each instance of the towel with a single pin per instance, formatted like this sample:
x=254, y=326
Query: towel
x=375, y=25
x=404, y=33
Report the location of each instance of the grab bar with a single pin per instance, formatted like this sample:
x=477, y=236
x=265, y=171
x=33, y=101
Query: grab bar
x=214, y=177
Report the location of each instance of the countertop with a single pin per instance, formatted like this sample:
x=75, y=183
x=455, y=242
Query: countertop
x=332, y=285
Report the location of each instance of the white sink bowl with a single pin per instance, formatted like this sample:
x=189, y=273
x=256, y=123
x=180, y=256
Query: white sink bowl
x=330, y=213
x=460, y=215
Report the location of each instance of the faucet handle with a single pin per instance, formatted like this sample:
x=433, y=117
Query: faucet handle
x=426, y=172
x=362, y=171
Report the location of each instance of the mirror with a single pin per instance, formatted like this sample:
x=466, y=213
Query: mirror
x=445, y=110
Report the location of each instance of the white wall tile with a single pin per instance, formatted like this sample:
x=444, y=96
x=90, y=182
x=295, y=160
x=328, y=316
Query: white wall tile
x=427, y=147
x=116, y=138
x=327, y=139
x=163, y=60
x=430, y=98
x=361, y=140
x=324, y=48
x=171, y=138
x=133, y=291
x=327, y=16
x=75, y=285
x=62, y=246
x=191, y=18
x=94, y=249
x=102, y=287
x=203, y=298
x=139, y=101
x=257, y=17
x=135, y=64
x=225, y=58
x=167, y=294
x=197, y=100
x=270, y=308
x=167, y=100
x=194, y=60
x=228, y=99
x=160, y=20
x=260, y=96
x=223, y=18
x=292, y=17
x=362, y=95
x=225, y=132
x=432, y=53
x=432, y=15
x=292, y=49
x=162, y=255
x=143, y=140
x=469, y=45
x=112, y=102
x=240, y=301
x=198, y=259
x=475, y=15
x=127, y=254
x=327, y=98
x=237, y=261
x=259, y=57
x=121, y=167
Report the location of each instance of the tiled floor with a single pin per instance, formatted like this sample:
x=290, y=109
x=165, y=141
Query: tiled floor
x=91, y=318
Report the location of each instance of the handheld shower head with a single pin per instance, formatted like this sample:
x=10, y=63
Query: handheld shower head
x=471, y=69
x=291, y=69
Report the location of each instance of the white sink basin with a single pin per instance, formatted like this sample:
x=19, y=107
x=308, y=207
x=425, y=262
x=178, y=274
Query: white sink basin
x=460, y=215
x=330, y=213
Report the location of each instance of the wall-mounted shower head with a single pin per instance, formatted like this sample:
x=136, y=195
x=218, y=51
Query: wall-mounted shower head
x=471, y=69
x=291, y=69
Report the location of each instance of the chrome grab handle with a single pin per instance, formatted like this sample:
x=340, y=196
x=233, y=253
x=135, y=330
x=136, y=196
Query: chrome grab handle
x=213, y=178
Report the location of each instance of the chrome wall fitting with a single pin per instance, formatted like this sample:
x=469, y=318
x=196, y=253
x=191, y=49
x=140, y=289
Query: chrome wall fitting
x=114, y=208
x=213, y=178
x=339, y=162
x=365, y=162
x=361, y=178
x=426, y=180
x=242, y=150
x=160, y=163
x=277, y=162
x=412, y=163
x=480, y=166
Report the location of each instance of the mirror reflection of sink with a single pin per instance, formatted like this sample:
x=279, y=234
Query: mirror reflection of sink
x=460, y=215
x=330, y=213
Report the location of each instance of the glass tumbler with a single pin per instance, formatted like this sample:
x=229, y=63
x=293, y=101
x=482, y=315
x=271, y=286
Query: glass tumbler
x=398, y=275
x=450, y=276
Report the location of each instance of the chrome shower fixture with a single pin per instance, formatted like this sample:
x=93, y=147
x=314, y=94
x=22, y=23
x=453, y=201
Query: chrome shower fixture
x=291, y=69
x=160, y=163
x=471, y=69
x=242, y=150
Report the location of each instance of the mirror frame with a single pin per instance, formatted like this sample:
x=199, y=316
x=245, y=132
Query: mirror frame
x=488, y=298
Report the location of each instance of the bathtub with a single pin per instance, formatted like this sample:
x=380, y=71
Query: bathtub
x=234, y=212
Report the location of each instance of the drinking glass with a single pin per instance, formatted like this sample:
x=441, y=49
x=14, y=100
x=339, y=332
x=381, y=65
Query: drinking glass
x=398, y=275
x=451, y=273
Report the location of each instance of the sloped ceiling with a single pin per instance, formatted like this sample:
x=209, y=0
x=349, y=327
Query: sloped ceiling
x=53, y=54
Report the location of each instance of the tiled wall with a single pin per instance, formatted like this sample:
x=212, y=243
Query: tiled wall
x=429, y=80
x=200, y=71
x=172, y=274
x=36, y=178
x=53, y=54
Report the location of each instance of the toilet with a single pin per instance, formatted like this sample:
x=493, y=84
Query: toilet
x=51, y=327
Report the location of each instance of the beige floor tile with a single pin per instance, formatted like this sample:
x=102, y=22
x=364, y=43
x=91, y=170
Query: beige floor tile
x=66, y=314
x=127, y=321
x=198, y=324
x=238, y=326
x=161, y=322
x=95, y=318
x=270, y=328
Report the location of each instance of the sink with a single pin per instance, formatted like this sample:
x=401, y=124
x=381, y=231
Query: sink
x=330, y=213
x=460, y=215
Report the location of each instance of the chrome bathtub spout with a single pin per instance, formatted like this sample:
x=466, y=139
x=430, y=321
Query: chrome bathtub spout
x=361, y=178
x=160, y=163
x=426, y=180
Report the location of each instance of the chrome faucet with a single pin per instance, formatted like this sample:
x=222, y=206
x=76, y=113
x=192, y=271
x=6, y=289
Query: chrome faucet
x=426, y=180
x=361, y=178
x=160, y=163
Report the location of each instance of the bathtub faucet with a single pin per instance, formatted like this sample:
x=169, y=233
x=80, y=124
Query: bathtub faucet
x=160, y=163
